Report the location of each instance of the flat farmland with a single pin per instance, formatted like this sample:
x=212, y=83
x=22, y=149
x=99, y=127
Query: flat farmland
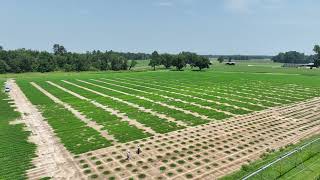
x=189, y=125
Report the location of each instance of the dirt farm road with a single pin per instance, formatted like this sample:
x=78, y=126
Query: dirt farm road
x=52, y=160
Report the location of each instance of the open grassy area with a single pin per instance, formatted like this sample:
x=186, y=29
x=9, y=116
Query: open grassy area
x=300, y=165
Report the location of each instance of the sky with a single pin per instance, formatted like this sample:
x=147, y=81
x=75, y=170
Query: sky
x=252, y=27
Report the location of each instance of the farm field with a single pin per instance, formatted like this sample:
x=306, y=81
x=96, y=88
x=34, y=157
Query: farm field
x=188, y=124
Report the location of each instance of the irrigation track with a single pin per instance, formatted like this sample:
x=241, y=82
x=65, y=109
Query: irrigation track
x=143, y=109
x=213, y=150
x=120, y=115
x=90, y=123
x=53, y=159
x=279, y=159
x=152, y=101
x=167, y=97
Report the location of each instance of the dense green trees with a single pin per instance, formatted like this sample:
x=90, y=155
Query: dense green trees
x=292, y=57
x=22, y=60
x=179, y=61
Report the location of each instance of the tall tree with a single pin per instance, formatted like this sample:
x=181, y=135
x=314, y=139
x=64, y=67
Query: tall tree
x=166, y=60
x=133, y=63
x=59, y=49
x=220, y=59
x=155, y=60
x=179, y=61
x=202, y=62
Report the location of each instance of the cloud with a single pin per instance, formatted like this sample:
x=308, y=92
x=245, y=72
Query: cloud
x=164, y=4
x=249, y=6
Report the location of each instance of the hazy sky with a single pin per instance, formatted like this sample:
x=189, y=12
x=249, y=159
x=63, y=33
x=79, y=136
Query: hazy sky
x=202, y=26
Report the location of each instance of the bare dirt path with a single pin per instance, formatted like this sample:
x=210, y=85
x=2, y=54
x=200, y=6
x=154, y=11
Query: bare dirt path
x=53, y=159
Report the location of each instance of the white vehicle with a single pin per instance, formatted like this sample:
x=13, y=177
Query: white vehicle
x=7, y=89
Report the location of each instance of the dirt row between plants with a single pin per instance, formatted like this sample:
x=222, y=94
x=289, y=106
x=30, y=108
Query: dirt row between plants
x=140, y=108
x=53, y=160
x=206, y=151
x=120, y=115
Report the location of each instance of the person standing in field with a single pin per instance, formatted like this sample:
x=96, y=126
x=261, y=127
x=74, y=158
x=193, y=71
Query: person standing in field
x=138, y=149
x=128, y=155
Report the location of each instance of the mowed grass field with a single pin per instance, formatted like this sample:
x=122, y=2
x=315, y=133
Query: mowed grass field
x=135, y=105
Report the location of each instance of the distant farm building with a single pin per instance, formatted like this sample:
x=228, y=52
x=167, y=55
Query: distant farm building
x=230, y=63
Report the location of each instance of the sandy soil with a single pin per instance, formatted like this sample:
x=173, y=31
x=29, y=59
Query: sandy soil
x=208, y=151
x=53, y=159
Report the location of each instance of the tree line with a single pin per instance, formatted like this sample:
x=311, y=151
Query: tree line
x=23, y=60
x=179, y=61
x=294, y=57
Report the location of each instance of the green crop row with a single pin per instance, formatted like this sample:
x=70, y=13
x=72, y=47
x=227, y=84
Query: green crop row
x=16, y=152
x=213, y=96
x=121, y=130
x=178, y=115
x=157, y=124
x=157, y=98
x=76, y=136
x=263, y=89
x=166, y=90
x=265, y=100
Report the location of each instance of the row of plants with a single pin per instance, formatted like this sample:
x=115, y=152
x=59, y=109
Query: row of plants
x=121, y=130
x=16, y=152
x=261, y=88
x=178, y=115
x=265, y=99
x=214, y=95
x=159, y=125
x=76, y=136
x=169, y=101
x=171, y=91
